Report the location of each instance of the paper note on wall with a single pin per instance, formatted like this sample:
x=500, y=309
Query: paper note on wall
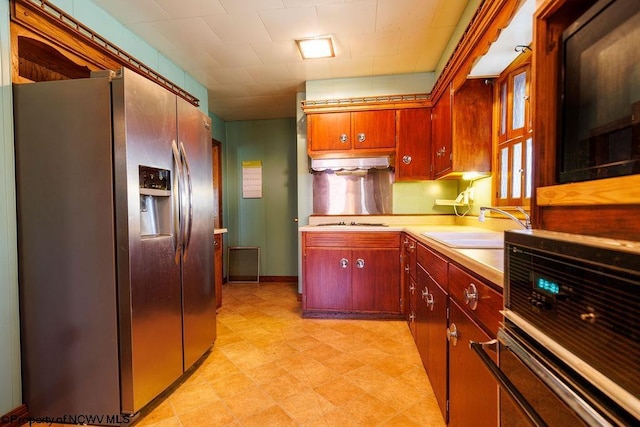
x=251, y=179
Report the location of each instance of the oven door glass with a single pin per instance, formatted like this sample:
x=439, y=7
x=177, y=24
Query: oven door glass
x=537, y=390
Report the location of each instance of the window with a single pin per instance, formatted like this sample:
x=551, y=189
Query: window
x=514, y=135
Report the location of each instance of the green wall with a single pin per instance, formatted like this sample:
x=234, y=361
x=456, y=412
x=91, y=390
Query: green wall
x=268, y=222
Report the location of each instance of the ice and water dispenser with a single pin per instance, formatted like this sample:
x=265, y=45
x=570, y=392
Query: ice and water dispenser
x=155, y=201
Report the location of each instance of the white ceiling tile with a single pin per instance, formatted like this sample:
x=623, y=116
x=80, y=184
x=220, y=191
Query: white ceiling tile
x=448, y=13
x=233, y=76
x=374, y=44
x=351, y=67
x=190, y=8
x=277, y=52
x=233, y=56
x=394, y=64
x=348, y=18
x=300, y=3
x=290, y=24
x=312, y=69
x=127, y=11
x=235, y=28
x=187, y=32
x=246, y=48
x=233, y=6
x=270, y=73
x=404, y=14
x=193, y=58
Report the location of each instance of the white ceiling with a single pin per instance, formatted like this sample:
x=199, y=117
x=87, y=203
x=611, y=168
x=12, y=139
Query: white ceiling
x=244, y=51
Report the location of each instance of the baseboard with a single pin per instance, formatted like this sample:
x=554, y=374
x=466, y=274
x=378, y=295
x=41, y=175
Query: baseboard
x=286, y=279
x=16, y=417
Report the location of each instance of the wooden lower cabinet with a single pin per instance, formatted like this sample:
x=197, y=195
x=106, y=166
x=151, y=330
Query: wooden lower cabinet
x=351, y=272
x=453, y=307
x=473, y=393
x=327, y=282
x=218, y=273
x=431, y=337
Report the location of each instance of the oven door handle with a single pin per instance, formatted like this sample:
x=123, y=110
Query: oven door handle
x=505, y=383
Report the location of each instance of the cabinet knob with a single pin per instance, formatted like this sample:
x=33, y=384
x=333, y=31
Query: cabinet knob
x=406, y=268
x=362, y=137
x=412, y=288
x=344, y=138
x=344, y=263
x=452, y=334
x=359, y=263
x=406, y=159
x=425, y=293
x=471, y=296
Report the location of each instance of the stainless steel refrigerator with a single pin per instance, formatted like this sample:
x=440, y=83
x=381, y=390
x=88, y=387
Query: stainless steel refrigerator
x=115, y=232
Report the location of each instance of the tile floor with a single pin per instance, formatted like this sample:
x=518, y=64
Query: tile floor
x=270, y=367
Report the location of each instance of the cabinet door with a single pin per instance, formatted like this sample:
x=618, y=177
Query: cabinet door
x=373, y=129
x=438, y=348
x=217, y=241
x=431, y=317
x=422, y=316
x=329, y=131
x=441, y=135
x=413, y=130
x=473, y=393
x=328, y=278
x=376, y=280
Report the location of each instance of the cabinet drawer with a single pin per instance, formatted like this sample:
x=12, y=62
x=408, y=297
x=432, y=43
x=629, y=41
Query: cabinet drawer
x=377, y=239
x=485, y=305
x=326, y=239
x=433, y=264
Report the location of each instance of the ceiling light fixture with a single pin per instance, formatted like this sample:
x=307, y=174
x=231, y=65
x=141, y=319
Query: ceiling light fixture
x=316, y=47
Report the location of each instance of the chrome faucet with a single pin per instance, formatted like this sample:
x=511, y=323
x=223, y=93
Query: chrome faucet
x=527, y=219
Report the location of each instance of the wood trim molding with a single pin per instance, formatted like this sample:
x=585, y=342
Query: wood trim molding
x=41, y=21
x=16, y=418
x=483, y=29
x=610, y=191
x=386, y=102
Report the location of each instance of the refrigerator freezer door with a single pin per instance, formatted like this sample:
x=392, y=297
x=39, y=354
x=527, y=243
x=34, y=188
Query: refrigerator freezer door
x=198, y=290
x=66, y=253
x=144, y=122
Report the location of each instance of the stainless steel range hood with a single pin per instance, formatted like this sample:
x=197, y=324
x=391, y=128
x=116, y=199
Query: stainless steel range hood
x=350, y=164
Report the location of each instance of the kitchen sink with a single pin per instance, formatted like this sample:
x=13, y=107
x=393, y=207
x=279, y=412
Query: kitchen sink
x=468, y=240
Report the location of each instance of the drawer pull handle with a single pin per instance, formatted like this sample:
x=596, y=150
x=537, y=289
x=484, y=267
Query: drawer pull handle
x=471, y=296
x=362, y=137
x=452, y=334
x=359, y=263
x=344, y=263
x=406, y=159
x=344, y=138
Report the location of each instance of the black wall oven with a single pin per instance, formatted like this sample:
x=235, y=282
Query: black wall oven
x=569, y=348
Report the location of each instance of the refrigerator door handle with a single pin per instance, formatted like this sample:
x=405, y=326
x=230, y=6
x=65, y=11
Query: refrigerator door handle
x=178, y=216
x=189, y=189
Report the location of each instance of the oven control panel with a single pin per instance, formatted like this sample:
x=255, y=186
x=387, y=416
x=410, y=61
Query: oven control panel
x=582, y=293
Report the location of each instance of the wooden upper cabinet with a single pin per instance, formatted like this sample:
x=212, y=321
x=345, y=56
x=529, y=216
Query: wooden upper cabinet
x=461, y=130
x=441, y=135
x=352, y=134
x=373, y=129
x=329, y=131
x=413, y=145
x=514, y=136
